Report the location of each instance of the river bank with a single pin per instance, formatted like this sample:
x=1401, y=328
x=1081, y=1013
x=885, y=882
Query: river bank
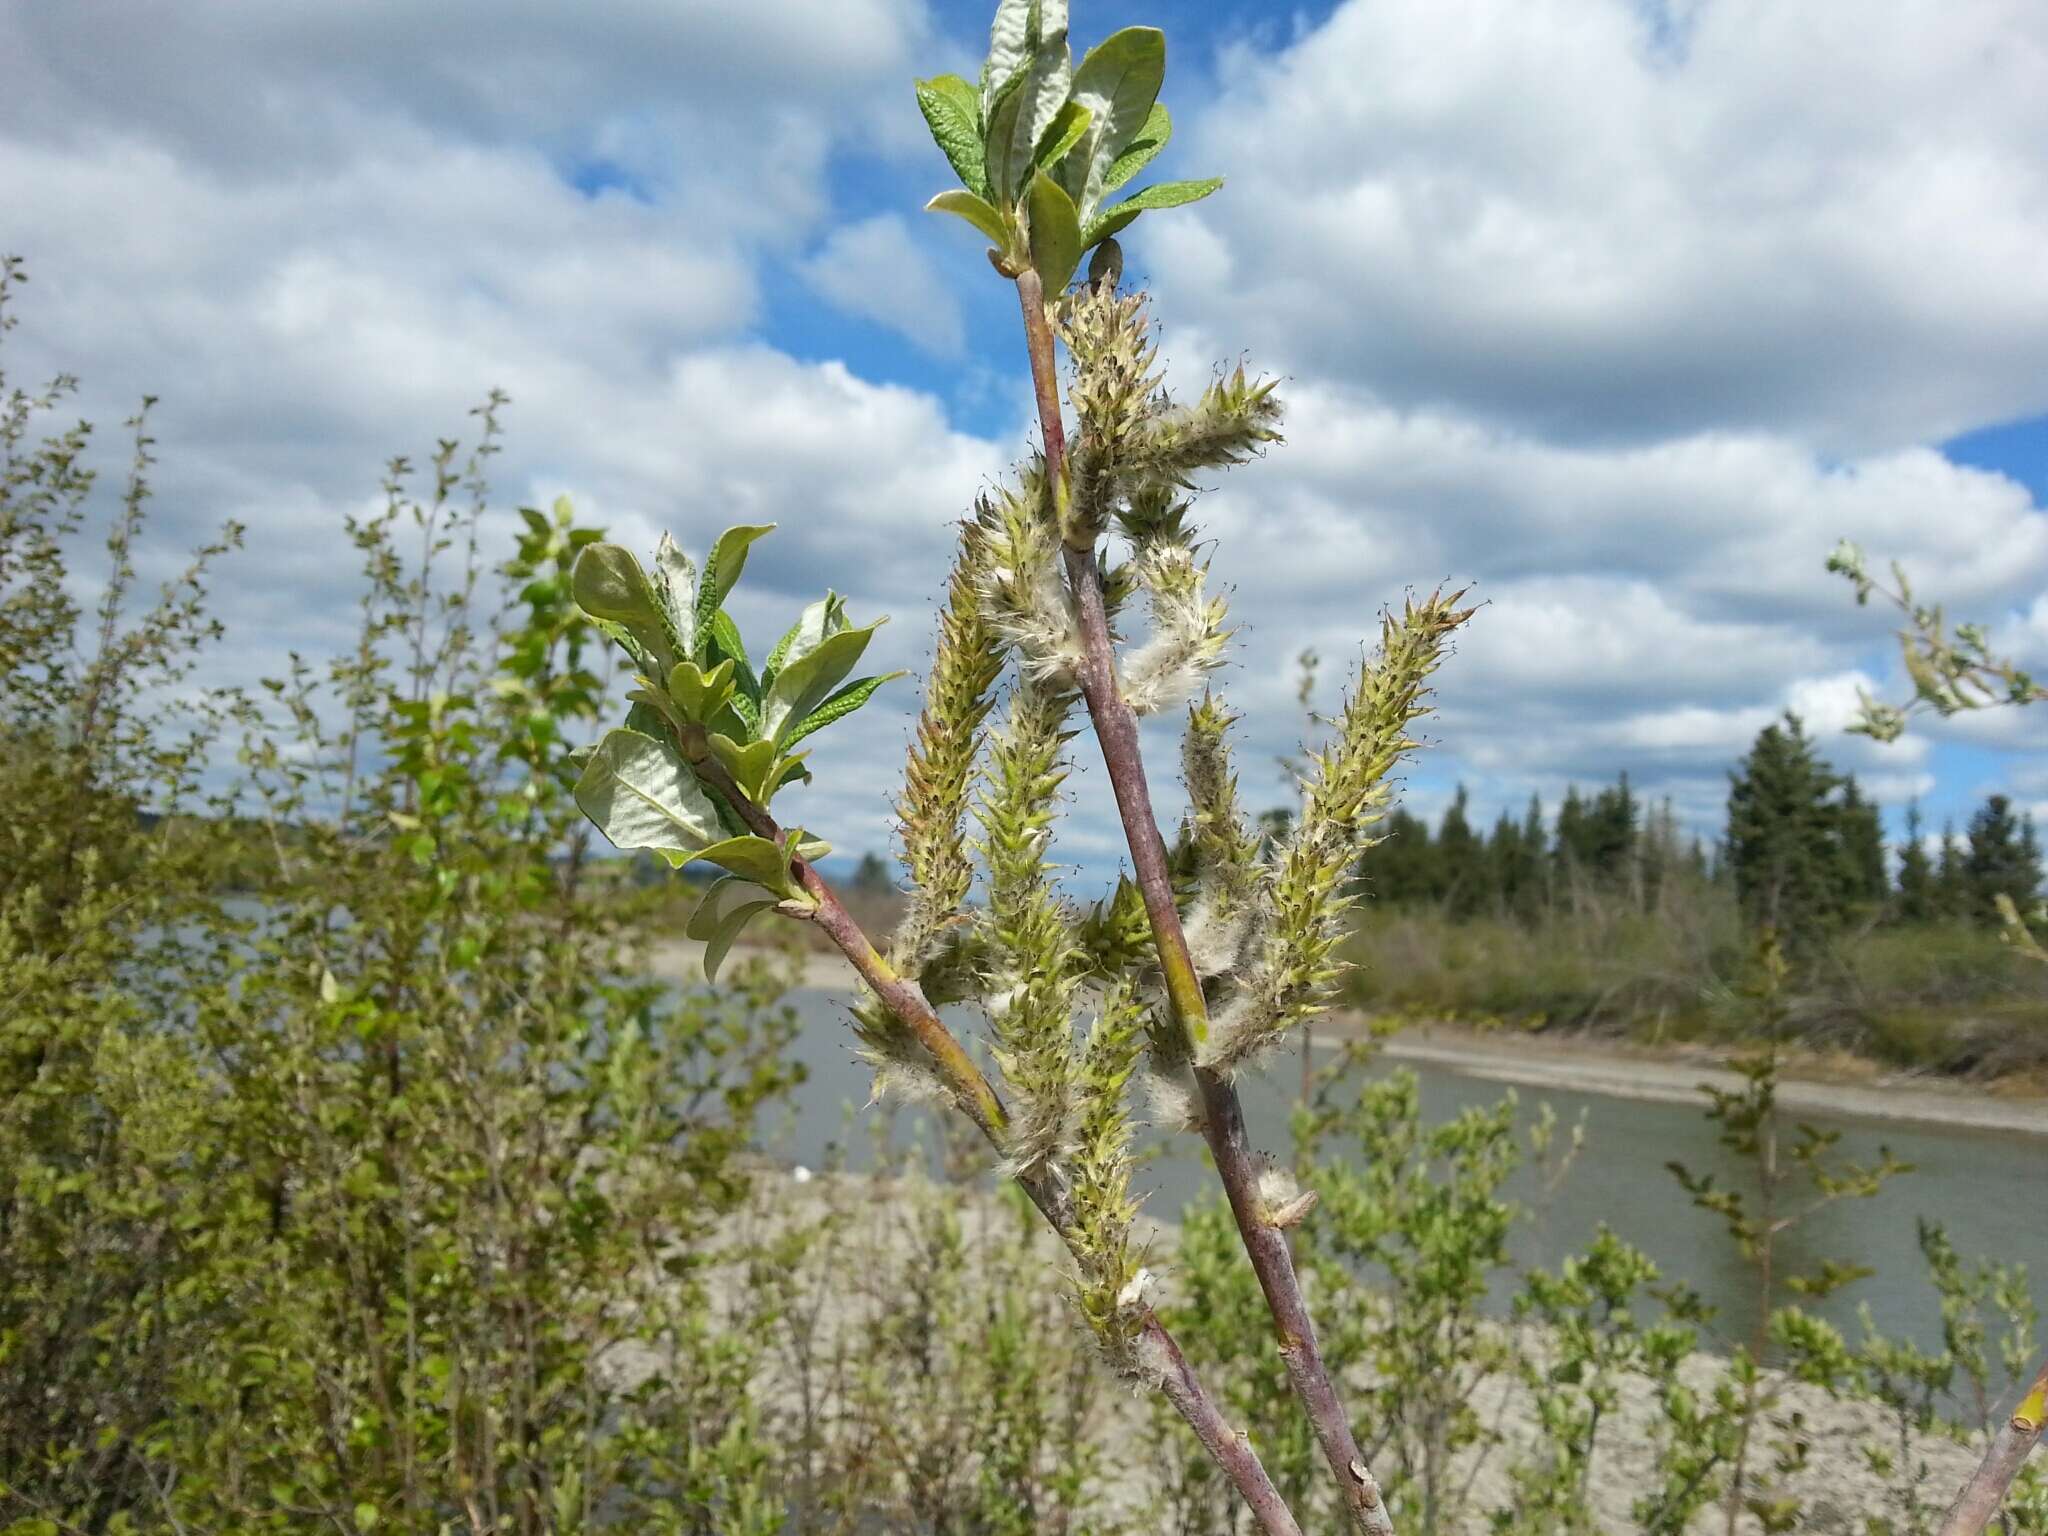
x=1602, y=1067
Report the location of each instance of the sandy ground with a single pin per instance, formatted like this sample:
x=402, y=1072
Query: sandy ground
x=1585, y=1065
x=1840, y=1490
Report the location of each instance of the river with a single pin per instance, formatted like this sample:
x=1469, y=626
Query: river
x=1986, y=1188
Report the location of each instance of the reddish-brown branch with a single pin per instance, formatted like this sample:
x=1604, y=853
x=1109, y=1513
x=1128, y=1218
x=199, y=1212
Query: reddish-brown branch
x=2010, y=1447
x=977, y=1096
x=1116, y=730
x=1229, y=1450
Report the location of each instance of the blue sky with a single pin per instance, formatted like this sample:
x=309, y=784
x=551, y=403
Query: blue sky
x=1622, y=313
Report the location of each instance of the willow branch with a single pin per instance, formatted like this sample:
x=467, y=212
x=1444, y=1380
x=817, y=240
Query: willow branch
x=2016, y=1438
x=978, y=1098
x=1116, y=729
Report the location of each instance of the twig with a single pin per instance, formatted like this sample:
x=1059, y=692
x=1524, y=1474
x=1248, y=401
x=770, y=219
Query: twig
x=977, y=1096
x=2009, y=1448
x=1116, y=729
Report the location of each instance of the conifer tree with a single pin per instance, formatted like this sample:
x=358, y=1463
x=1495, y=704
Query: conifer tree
x=1951, y=884
x=1917, y=898
x=1866, y=883
x=1784, y=834
x=2004, y=859
x=1461, y=860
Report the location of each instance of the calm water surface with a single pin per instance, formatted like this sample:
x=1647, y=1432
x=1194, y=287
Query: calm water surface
x=1985, y=1188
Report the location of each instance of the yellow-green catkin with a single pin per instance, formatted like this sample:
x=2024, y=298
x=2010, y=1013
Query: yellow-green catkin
x=1110, y=1284
x=966, y=661
x=1229, y=888
x=1344, y=799
x=1033, y=965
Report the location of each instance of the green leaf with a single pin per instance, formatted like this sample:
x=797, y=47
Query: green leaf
x=1118, y=82
x=722, y=570
x=1165, y=194
x=751, y=766
x=1055, y=234
x=610, y=587
x=537, y=521
x=675, y=586
x=952, y=110
x=1029, y=102
x=700, y=694
x=974, y=211
x=839, y=706
x=996, y=135
x=1065, y=132
x=723, y=643
x=722, y=913
x=815, y=625
x=752, y=858
x=805, y=682
x=1142, y=150
x=641, y=794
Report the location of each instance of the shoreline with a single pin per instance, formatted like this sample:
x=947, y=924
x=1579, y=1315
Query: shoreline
x=1604, y=1068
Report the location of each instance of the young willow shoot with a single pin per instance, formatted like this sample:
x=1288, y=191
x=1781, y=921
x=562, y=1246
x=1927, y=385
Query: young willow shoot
x=1217, y=951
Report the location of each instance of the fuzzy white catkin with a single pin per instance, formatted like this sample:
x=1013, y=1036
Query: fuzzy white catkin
x=1277, y=1188
x=1173, y=1103
x=1215, y=941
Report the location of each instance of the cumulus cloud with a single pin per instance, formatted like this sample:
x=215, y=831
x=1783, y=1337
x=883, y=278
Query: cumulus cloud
x=1597, y=223
x=875, y=270
x=1622, y=322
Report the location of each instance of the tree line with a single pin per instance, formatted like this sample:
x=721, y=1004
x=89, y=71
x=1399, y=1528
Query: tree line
x=1802, y=849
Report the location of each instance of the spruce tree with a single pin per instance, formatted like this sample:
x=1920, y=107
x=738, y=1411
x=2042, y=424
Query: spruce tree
x=1918, y=900
x=1461, y=861
x=1402, y=868
x=1866, y=883
x=1951, y=885
x=2004, y=859
x=1784, y=834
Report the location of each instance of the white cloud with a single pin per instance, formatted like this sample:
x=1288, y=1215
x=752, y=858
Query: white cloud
x=874, y=269
x=1625, y=329
x=1536, y=212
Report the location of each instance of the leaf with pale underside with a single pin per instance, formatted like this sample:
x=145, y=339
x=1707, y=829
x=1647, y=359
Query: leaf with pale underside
x=675, y=588
x=809, y=680
x=1027, y=103
x=640, y=793
x=1142, y=150
x=610, y=587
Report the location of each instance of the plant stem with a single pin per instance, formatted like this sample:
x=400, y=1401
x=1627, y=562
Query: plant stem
x=977, y=1096
x=1225, y=1446
x=2016, y=1437
x=1116, y=730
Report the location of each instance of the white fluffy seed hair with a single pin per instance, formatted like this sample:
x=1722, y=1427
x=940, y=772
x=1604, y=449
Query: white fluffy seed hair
x=1186, y=642
x=1277, y=1187
x=1151, y=1359
x=1034, y=613
x=903, y=1083
x=1215, y=942
x=1242, y=1027
x=1173, y=1103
